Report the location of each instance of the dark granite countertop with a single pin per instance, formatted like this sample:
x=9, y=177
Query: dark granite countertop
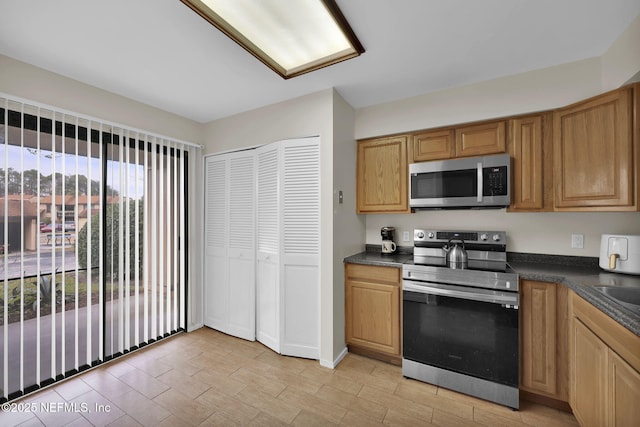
x=580, y=274
x=582, y=280
x=374, y=256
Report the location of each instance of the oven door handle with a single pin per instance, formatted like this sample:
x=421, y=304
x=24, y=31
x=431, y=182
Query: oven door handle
x=495, y=297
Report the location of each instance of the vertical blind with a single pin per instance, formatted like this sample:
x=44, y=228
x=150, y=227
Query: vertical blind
x=92, y=242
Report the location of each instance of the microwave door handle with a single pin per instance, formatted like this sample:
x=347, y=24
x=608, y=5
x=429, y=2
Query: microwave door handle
x=480, y=184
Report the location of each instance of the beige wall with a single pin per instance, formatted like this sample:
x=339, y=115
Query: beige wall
x=304, y=116
x=528, y=92
x=522, y=93
x=22, y=80
x=36, y=84
x=298, y=117
x=621, y=62
x=348, y=227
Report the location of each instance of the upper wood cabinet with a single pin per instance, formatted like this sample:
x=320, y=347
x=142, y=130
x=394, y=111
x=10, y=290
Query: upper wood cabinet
x=593, y=153
x=529, y=144
x=480, y=139
x=382, y=175
x=433, y=145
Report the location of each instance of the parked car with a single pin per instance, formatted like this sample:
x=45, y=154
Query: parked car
x=67, y=226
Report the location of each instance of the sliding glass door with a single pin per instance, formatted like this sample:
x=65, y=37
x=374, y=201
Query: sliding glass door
x=92, y=226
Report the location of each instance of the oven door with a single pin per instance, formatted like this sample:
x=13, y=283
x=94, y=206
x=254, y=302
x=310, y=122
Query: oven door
x=462, y=329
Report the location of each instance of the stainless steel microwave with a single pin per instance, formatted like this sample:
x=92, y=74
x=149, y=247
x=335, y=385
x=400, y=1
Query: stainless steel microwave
x=472, y=182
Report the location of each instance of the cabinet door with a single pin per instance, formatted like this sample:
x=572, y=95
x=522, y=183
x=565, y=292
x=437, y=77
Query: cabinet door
x=372, y=316
x=588, y=376
x=538, y=336
x=593, y=156
x=372, y=309
x=530, y=157
x=382, y=175
x=624, y=392
x=481, y=139
x=433, y=145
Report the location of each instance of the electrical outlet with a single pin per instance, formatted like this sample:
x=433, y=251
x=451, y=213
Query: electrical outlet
x=577, y=241
x=405, y=236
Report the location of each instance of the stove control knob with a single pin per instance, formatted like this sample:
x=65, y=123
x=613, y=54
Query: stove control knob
x=430, y=235
x=484, y=237
x=496, y=237
x=420, y=234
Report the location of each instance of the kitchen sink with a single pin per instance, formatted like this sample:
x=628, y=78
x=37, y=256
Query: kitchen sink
x=629, y=297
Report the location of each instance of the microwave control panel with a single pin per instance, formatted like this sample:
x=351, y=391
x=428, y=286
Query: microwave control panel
x=494, y=181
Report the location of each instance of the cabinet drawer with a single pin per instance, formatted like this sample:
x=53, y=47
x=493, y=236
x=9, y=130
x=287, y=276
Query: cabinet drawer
x=374, y=273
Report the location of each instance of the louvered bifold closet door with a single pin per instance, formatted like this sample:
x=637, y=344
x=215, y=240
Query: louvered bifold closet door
x=215, y=278
x=268, y=247
x=241, y=261
x=230, y=244
x=300, y=313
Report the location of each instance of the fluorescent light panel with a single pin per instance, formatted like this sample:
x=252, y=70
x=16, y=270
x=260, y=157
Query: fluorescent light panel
x=290, y=37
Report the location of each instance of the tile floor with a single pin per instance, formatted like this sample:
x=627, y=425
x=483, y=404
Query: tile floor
x=208, y=378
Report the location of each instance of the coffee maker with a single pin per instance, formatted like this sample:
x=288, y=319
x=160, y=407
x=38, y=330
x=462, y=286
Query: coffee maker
x=388, y=245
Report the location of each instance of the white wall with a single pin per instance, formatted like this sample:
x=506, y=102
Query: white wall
x=545, y=89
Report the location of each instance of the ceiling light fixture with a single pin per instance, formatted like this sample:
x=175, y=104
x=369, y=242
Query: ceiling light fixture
x=290, y=37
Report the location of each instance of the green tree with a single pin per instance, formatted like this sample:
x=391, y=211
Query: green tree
x=112, y=241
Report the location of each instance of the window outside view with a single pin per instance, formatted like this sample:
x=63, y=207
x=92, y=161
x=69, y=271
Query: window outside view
x=73, y=227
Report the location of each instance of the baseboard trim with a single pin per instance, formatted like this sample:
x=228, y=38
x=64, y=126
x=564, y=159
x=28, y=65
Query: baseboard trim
x=332, y=364
x=393, y=359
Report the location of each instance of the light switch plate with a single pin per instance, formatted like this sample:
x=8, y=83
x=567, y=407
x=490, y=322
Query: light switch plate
x=577, y=241
x=405, y=236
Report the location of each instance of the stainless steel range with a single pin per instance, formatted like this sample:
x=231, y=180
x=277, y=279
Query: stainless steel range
x=460, y=314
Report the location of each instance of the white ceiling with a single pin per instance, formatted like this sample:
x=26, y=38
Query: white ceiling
x=161, y=53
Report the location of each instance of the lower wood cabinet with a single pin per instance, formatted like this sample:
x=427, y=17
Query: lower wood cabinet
x=372, y=310
x=604, y=362
x=589, y=385
x=624, y=392
x=544, y=375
